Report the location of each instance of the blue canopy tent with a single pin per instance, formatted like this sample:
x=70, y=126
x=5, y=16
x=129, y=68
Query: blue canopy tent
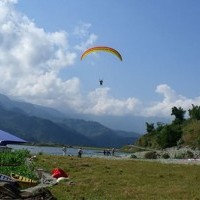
x=7, y=138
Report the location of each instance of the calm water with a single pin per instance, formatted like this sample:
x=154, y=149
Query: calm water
x=70, y=151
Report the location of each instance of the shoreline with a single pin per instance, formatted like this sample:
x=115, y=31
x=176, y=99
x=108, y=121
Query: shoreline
x=164, y=161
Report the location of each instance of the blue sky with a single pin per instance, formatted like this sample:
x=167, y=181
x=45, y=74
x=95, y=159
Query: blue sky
x=42, y=42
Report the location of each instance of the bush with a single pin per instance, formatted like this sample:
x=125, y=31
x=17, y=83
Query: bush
x=133, y=156
x=165, y=156
x=169, y=135
x=185, y=155
x=189, y=154
x=15, y=157
x=151, y=155
x=15, y=162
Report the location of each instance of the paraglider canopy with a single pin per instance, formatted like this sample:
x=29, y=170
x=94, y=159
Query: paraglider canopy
x=101, y=48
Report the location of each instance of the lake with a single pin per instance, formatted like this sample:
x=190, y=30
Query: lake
x=70, y=151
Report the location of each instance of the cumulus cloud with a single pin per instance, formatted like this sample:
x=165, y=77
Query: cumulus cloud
x=170, y=99
x=32, y=59
x=102, y=103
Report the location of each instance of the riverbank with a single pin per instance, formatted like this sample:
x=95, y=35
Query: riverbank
x=176, y=155
x=190, y=161
x=71, y=151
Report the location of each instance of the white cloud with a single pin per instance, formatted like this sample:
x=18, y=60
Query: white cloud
x=170, y=99
x=82, y=32
x=89, y=42
x=9, y=1
x=101, y=103
x=32, y=59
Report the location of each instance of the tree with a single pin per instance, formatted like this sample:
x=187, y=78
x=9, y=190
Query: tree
x=160, y=125
x=179, y=114
x=169, y=136
x=194, y=113
x=149, y=127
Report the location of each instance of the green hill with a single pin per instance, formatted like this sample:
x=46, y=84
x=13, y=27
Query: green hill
x=180, y=132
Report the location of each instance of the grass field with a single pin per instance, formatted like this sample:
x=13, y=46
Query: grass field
x=107, y=179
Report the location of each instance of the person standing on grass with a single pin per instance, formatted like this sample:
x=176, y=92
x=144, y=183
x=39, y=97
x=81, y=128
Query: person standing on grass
x=113, y=151
x=80, y=152
x=108, y=152
x=64, y=149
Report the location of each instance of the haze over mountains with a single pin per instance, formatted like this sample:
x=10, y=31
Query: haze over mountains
x=46, y=125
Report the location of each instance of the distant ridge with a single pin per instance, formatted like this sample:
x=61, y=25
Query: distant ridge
x=46, y=125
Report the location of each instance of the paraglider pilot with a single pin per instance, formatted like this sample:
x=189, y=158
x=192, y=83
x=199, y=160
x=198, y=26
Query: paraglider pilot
x=101, y=82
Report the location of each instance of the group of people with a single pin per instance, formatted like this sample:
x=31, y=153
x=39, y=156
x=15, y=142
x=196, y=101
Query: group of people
x=80, y=151
x=108, y=152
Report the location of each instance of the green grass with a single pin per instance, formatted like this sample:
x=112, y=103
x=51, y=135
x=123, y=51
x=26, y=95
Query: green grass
x=102, y=179
x=15, y=162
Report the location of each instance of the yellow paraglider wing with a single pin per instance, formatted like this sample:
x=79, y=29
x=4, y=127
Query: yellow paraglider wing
x=101, y=48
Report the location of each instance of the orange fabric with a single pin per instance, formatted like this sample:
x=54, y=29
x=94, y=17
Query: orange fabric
x=57, y=173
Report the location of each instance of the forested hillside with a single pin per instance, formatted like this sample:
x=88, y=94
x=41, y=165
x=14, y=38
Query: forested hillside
x=180, y=132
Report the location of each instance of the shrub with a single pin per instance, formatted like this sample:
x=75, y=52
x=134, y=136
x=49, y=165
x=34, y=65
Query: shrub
x=14, y=157
x=189, y=154
x=15, y=162
x=165, y=156
x=185, y=155
x=133, y=156
x=179, y=156
x=151, y=155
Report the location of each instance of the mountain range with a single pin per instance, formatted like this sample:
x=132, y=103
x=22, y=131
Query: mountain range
x=39, y=124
